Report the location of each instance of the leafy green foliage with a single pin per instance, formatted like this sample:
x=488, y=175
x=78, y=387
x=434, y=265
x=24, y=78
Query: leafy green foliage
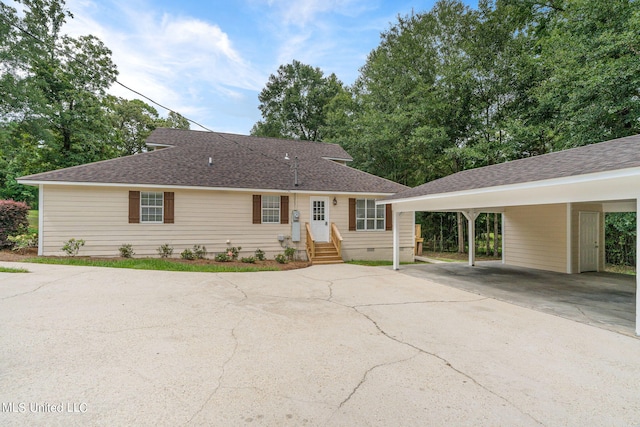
x=231, y=254
x=260, y=254
x=72, y=246
x=248, y=260
x=294, y=101
x=281, y=259
x=13, y=220
x=620, y=232
x=289, y=252
x=126, y=250
x=165, y=250
x=13, y=270
x=22, y=242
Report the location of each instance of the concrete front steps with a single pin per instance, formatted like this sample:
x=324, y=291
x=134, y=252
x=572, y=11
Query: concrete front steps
x=326, y=253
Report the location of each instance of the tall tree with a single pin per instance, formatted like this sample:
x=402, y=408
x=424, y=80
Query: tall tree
x=293, y=103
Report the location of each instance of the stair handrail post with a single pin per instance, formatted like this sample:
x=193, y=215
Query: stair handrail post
x=311, y=243
x=336, y=238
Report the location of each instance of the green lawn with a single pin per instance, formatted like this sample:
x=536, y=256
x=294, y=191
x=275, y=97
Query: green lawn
x=13, y=270
x=375, y=263
x=151, y=264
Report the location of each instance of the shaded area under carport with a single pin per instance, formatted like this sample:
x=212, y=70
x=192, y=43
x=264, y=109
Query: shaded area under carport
x=605, y=300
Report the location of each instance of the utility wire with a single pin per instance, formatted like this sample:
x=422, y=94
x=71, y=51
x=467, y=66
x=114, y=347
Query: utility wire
x=75, y=58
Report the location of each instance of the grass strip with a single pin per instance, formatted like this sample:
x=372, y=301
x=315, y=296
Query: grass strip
x=378, y=263
x=13, y=270
x=151, y=264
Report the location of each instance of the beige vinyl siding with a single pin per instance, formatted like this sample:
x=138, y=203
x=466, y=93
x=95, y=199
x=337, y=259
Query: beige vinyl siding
x=536, y=237
x=371, y=245
x=99, y=215
x=576, y=208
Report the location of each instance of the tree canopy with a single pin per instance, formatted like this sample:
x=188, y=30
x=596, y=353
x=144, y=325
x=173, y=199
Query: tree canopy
x=293, y=103
x=54, y=107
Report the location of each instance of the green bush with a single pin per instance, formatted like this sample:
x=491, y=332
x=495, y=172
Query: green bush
x=289, y=253
x=260, y=254
x=248, y=260
x=187, y=254
x=126, y=250
x=23, y=242
x=281, y=259
x=72, y=246
x=13, y=220
x=200, y=252
x=231, y=254
x=165, y=251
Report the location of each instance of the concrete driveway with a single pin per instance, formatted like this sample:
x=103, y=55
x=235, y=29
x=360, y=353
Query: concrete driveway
x=327, y=345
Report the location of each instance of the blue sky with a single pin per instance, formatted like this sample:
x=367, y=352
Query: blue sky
x=209, y=60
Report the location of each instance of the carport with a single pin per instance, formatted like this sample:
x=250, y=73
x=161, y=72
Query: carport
x=552, y=205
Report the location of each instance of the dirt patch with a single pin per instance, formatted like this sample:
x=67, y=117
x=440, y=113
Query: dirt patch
x=13, y=256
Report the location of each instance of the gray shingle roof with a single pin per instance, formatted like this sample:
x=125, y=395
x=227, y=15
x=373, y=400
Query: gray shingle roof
x=611, y=155
x=238, y=162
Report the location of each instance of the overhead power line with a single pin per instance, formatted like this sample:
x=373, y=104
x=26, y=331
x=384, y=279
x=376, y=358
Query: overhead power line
x=75, y=58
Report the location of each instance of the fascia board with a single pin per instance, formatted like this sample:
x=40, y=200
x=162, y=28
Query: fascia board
x=182, y=187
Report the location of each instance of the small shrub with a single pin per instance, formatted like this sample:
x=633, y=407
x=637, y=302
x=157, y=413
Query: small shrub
x=72, y=246
x=14, y=220
x=222, y=257
x=126, y=250
x=289, y=253
x=22, y=242
x=230, y=255
x=187, y=254
x=248, y=260
x=281, y=259
x=260, y=255
x=165, y=251
x=199, y=252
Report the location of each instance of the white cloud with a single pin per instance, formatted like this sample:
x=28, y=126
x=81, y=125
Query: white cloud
x=176, y=60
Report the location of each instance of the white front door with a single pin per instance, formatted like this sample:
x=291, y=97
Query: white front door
x=589, y=241
x=319, y=213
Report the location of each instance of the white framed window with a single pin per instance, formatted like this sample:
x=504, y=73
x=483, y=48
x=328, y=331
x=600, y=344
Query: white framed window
x=151, y=207
x=271, y=209
x=369, y=216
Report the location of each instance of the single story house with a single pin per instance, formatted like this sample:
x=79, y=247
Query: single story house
x=552, y=205
x=221, y=190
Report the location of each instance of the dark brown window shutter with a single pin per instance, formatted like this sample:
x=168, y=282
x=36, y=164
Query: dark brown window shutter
x=388, y=218
x=284, y=209
x=169, y=205
x=352, y=214
x=134, y=207
x=257, y=209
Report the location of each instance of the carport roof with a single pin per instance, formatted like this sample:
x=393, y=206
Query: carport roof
x=617, y=154
x=607, y=172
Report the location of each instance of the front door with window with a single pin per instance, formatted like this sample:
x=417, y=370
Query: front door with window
x=589, y=241
x=320, y=218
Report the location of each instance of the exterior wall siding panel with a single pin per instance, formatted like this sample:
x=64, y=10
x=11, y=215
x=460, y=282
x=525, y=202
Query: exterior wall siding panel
x=536, y=237
x=100, y=216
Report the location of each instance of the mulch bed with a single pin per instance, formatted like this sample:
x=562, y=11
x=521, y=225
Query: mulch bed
x=13, y=256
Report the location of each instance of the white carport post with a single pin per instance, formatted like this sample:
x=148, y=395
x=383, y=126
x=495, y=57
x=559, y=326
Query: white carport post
x=637, y=269
x=471, y=216
x=396, y=239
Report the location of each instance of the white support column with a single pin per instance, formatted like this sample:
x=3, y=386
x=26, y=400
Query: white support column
x=637, y=268
x=502, y=234
x=471, y=216
x=396, y=240
x=40, y=219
